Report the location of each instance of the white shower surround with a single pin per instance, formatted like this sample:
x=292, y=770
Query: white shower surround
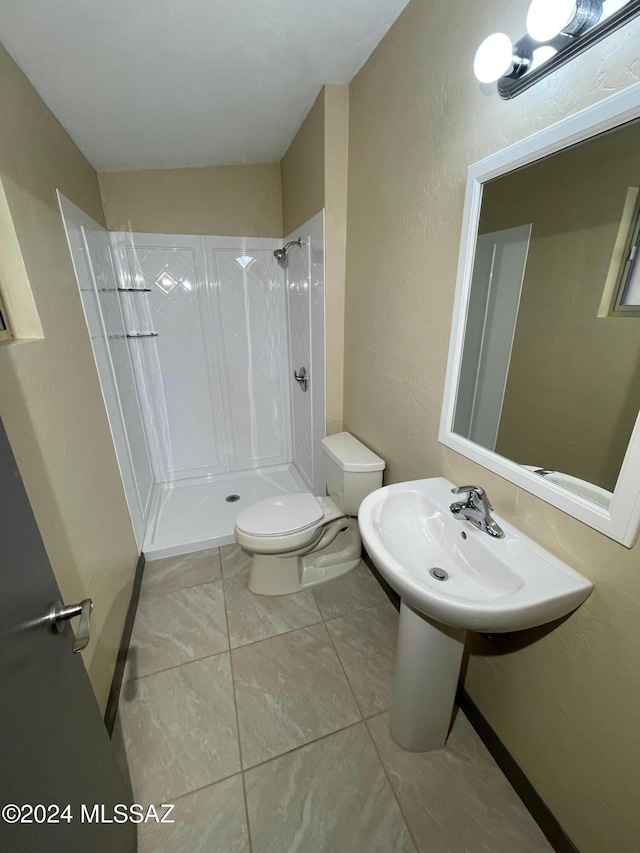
x=209, y=407
x=90, y=247
x=306, y=311
x=214, y=380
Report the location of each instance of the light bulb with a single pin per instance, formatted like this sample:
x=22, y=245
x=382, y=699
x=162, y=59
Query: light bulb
x=494, y=58
x=547, y=18
x=541, y=55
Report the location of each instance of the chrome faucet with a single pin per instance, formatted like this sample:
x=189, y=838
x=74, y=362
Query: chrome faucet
x=476, y=509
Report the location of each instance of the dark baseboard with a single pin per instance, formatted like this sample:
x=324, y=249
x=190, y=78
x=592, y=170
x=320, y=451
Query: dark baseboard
x=533, y=802
x=118, y=673
x=536, y=806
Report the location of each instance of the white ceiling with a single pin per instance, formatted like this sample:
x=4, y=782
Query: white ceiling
x=144, y=84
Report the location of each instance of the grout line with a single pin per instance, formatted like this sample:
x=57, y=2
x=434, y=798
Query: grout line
x=147, y=595
x=177, y=666
x=235, y=705
x=353, y=612
x=364, y=610
x=389, y=780
x=229, y=650
x=274, y=636
x=237, y=772
x=246, y=811
x=261, y=640
x=353, y=692
x=177, y=799
x=363, y=718
x=303, y=745
x=366, y=720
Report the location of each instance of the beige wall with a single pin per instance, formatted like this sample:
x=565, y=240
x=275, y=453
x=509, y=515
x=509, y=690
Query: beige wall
x=572, y=395
x=314, y=175
x=222, y=200
x=564, y=701
x=51, y=402
x=336, y=149
x=302, y=169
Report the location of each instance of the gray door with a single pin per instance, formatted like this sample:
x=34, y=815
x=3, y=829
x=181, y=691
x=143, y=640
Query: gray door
x=54, y=748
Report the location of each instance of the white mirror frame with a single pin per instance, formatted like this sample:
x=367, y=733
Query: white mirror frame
x=622, y=519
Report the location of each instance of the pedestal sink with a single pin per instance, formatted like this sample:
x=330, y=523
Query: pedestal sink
x=453, y=578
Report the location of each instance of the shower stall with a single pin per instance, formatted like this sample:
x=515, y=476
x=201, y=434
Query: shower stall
x=198, y=341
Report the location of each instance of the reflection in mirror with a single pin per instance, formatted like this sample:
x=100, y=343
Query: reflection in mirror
x=550, y=372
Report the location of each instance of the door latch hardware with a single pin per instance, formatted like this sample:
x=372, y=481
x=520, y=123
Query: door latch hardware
x=59, y=614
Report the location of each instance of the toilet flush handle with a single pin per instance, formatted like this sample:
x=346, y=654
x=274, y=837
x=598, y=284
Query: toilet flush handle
x=302, y=378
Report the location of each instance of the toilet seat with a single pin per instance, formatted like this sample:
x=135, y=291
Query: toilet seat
x=280, y=525
x=284, y=524
x=281, y=516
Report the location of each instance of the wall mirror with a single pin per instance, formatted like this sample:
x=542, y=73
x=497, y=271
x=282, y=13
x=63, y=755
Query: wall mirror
x=543, y=378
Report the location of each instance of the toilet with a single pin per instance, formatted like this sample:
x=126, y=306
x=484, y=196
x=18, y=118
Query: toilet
x=297, y=541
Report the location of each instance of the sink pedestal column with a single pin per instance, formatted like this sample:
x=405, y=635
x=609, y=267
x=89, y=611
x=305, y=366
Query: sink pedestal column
x=425, y=681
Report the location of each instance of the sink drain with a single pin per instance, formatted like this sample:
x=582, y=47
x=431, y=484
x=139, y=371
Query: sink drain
x=439, y=574
x=231, y=499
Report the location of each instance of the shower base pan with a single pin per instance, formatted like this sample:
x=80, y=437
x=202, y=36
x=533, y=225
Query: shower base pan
x=190, y=515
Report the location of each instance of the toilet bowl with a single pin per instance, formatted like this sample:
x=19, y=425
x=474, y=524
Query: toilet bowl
x=297, y=541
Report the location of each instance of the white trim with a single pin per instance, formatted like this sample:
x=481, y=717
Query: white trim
x=622, y=520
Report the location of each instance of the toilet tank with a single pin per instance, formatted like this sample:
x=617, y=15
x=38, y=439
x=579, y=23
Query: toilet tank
x=353, y=471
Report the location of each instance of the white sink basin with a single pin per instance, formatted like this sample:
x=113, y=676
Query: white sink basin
x=493, y=585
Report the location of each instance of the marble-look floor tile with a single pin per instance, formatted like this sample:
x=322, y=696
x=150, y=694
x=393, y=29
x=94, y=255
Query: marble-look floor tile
x=289, y=690
x=356, y=590
x=256, y=617
x=457, y=798
x=234, y=561
x=179, y=729
x=366, y=644
x=187, y=570
x=176, y=628
x=326, y=797
x=211, y=820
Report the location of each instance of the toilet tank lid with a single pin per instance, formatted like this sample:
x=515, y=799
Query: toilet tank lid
x=349, y=454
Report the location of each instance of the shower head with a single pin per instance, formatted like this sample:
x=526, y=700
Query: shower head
x=281, y=254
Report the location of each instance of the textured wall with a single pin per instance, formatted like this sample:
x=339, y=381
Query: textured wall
x=314, y=176
x=51, y=403
x=222, y=200
x=302, y=169
x=564, y=701
x=336, y=154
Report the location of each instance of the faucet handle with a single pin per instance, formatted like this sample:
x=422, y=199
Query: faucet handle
x=477, y=490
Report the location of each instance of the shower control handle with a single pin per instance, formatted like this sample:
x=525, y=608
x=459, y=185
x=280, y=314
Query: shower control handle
x=302, y=378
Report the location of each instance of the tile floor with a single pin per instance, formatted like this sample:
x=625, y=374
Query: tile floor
x=265, y=721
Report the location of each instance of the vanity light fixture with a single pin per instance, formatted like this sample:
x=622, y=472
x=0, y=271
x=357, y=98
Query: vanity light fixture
x=548, y=18
x=496, y=57
x=557, y=31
